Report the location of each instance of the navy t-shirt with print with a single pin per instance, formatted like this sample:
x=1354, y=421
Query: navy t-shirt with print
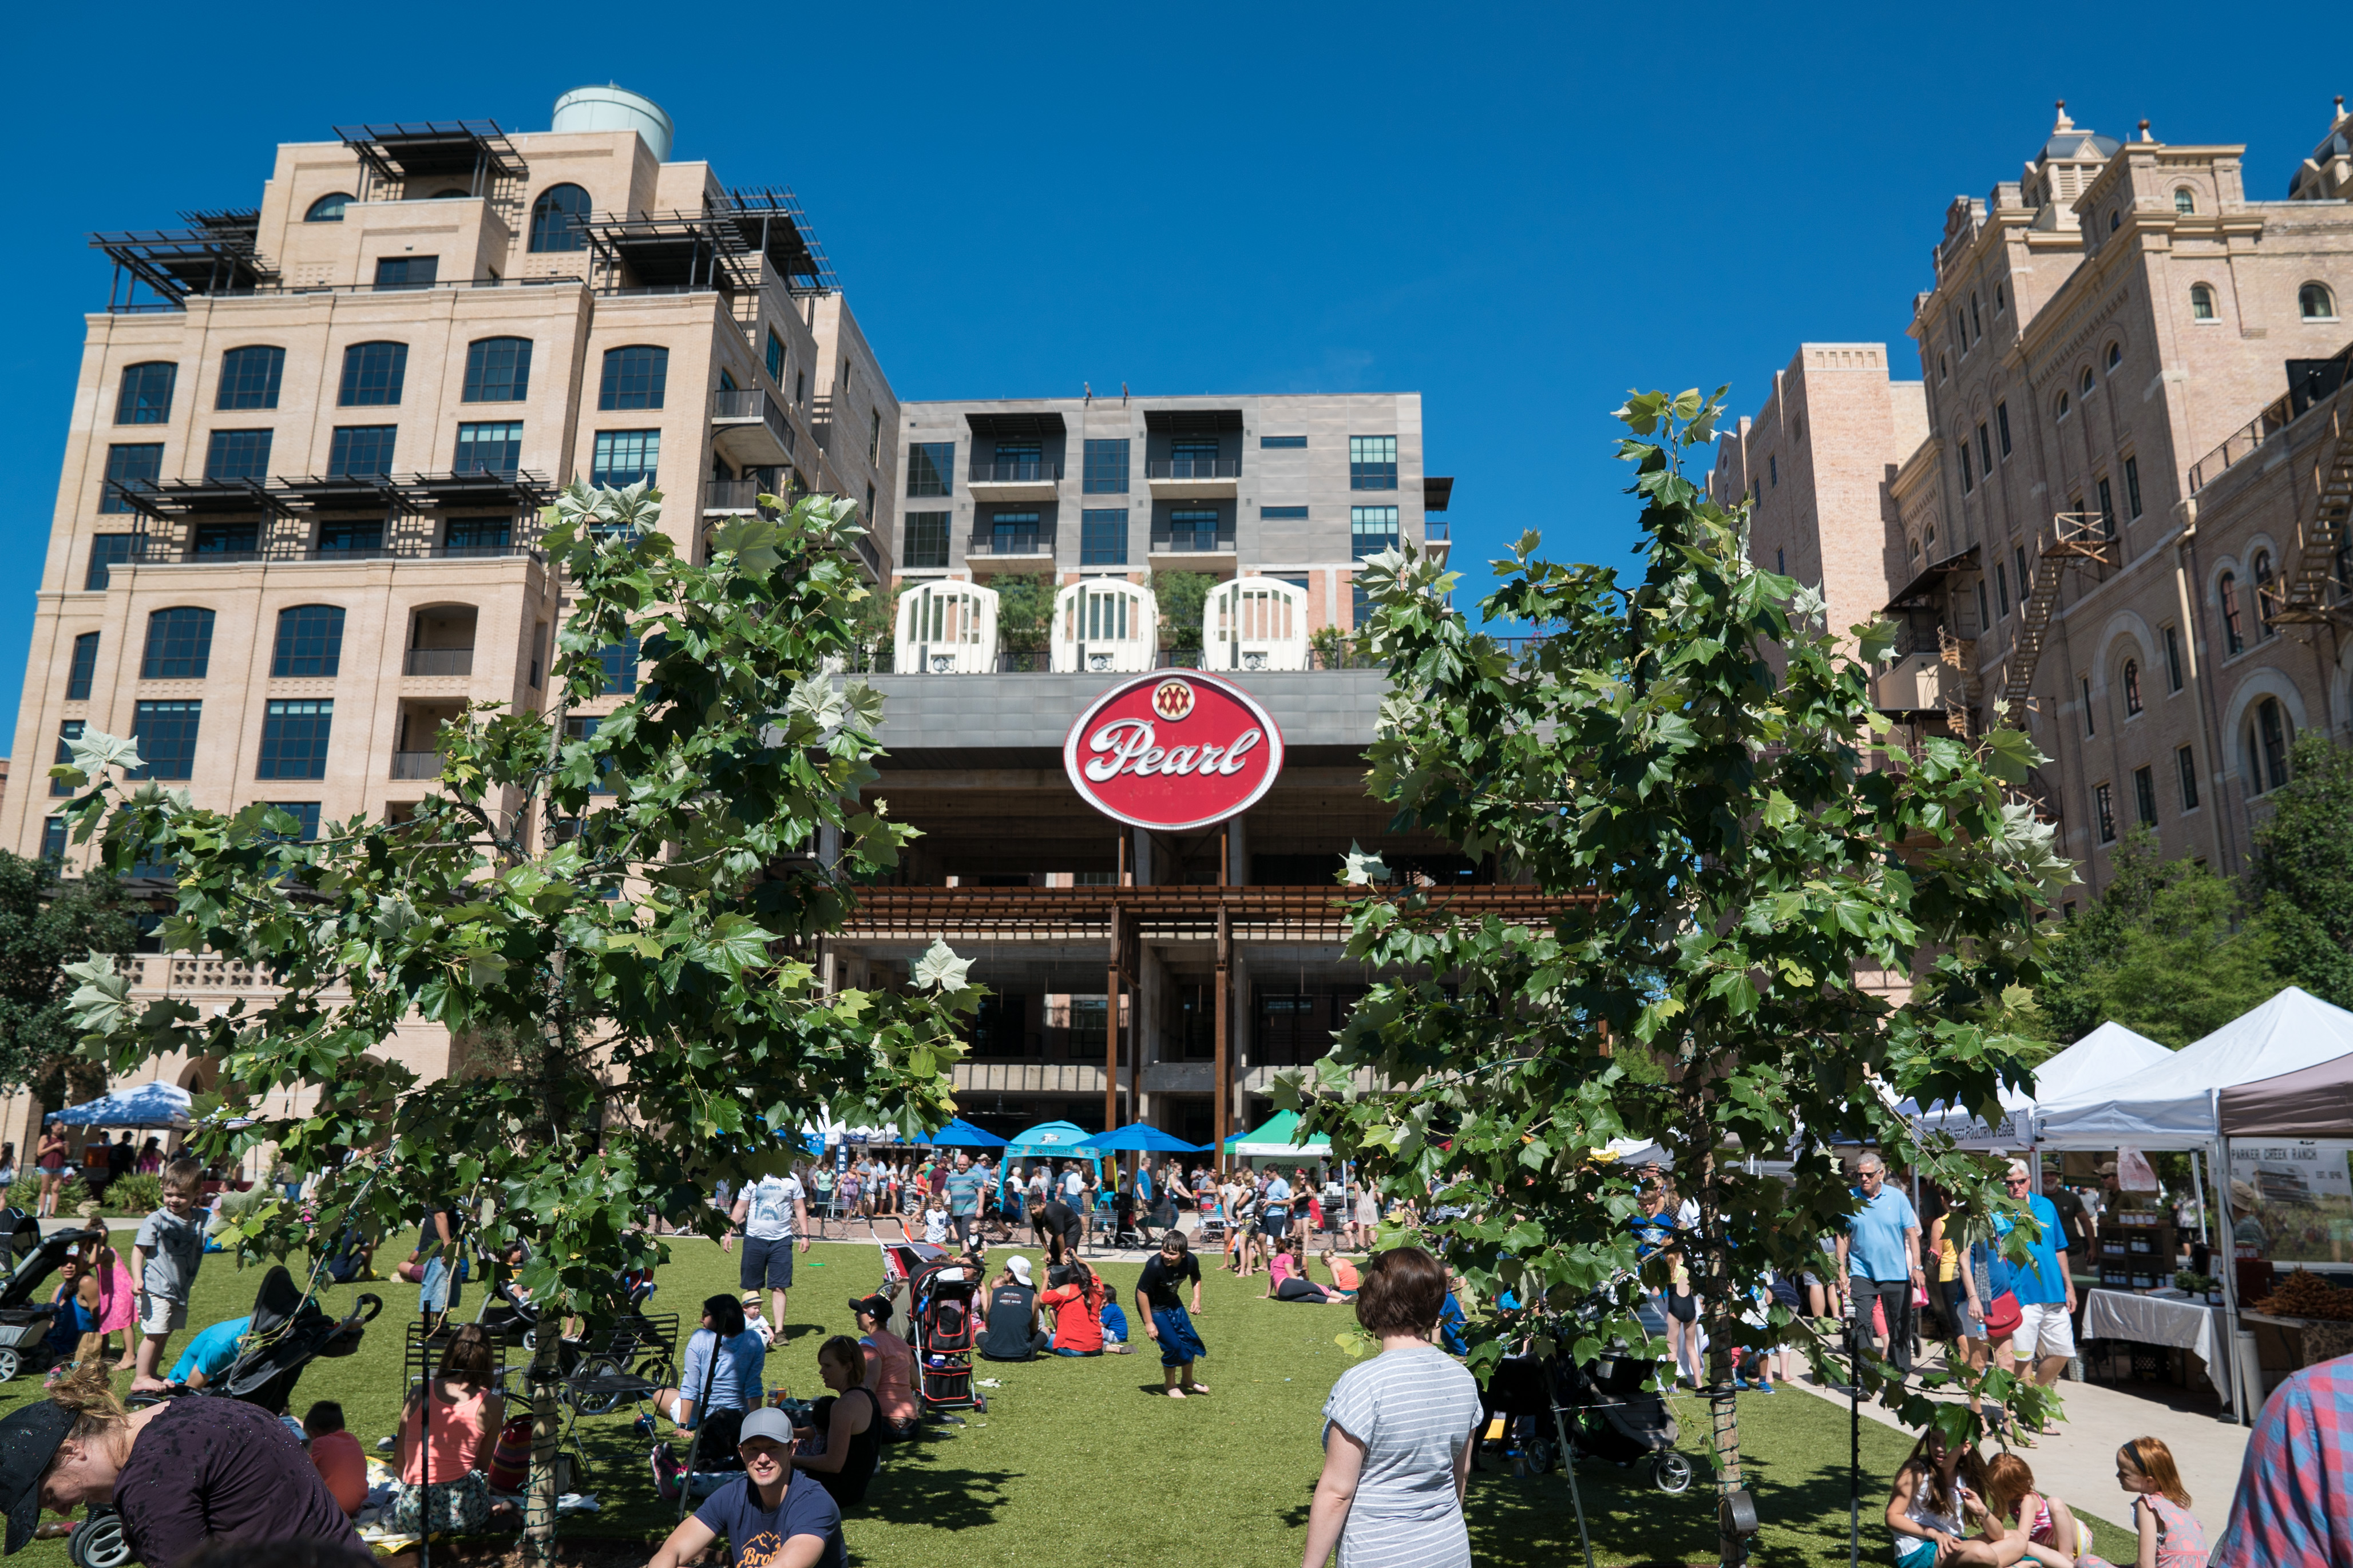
x=756, y=1536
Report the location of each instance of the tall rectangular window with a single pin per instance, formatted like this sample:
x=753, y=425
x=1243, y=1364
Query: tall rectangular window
x=775, y=358
x=309, y=644
x=931, y=467
x=167, y=733
x=490, y=448
x=2085, y=683
x=2173, y=659
x=474, y=536
x=1193, y=529
x=620, y=662
x=131, y=467
x=1985, y=449
x=1102, y=534
x=497, y=370
x=2132, y=486
x=926, y=540
x=625, y=457
x=84, y=669
x=2001, y=587
x=373, y=375
x=294, y=739
x=67, y=733
x=2103, y=798
x=637, y=376
x=874, y=435
x=1372, y=463
x=1105, y=473
x=2025, y=579
x=107, y=550
x=1013, y=533
x=2144, y=796
x=1984, y=620
x=2186, y=763
x=2107, y=508
x=237, y=455
x=179, y=645
x=1371, y=529
x=53, y=839
x=407, y=271
x=1282, y=443
x=361, y=451
x=305, y=813
x=145, y=397
x=1968, y=479
x=249, y=377
x=2002, y=426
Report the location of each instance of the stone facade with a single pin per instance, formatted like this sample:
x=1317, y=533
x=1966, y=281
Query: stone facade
x=2134, y=393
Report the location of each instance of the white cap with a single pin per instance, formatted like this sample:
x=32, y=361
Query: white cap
x=1020, y=1269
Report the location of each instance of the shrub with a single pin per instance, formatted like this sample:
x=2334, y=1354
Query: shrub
x=139, y=1193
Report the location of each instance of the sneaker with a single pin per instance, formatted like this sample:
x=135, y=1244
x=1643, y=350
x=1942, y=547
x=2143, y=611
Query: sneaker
x=386, y=1445
x=667, y=1470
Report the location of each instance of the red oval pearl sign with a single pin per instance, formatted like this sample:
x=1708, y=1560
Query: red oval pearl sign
x=1173, y=749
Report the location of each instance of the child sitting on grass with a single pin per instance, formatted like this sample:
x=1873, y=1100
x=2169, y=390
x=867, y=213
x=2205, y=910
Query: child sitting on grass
x=337, y=1455
x=2051, y=1535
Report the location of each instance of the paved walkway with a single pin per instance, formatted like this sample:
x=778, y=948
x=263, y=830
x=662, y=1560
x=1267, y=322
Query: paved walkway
x=2077, y=1461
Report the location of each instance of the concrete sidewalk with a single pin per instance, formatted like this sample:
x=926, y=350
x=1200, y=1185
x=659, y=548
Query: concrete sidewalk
x=2077, y=1461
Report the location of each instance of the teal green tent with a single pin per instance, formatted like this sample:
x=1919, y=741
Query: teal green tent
x=1273, y=1140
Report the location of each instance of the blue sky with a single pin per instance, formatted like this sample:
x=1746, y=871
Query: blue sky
x=1518, y=213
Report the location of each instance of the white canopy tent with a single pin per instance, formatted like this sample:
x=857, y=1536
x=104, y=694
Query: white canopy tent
x=2171, y=1104
x=2105, y=1055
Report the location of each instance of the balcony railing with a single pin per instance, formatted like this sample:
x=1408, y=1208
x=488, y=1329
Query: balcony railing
x=754, y=403
x=1433, y=530
x=1193, y=543
x=1023, y=471
x=1194, y=469
x=440, y=661
x=2322, y=382
x=416, y=764
x=737, y=495
x=280, y=291
x=1021, y=542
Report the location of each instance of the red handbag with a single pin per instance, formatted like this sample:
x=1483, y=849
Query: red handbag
x=2002, y=1315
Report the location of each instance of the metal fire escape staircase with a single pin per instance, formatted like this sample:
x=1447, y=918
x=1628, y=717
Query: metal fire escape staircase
x=1964, y=690
x=2314, y=591
x=2075, y=538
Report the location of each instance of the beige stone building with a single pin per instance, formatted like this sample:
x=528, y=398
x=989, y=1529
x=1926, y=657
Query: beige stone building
x=295, y=525
x=2128, y=514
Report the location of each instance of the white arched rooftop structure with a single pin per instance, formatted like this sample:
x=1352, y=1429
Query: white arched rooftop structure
x=946, y=628
x=1104, y=625
x=1255, y=623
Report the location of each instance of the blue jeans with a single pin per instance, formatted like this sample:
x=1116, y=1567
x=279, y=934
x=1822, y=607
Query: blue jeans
x=438, y=1292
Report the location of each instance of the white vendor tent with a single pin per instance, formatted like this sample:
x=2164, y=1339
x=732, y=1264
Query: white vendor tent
x=2105, y=1055
x=2170, y=1104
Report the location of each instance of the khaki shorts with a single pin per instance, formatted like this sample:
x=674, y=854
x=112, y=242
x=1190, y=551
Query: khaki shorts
x=163, y=1317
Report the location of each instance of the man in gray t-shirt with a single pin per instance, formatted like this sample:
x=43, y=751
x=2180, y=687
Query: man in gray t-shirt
x=772, y=1211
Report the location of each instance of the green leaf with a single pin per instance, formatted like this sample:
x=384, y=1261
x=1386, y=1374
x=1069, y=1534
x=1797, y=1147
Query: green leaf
x=940, y=968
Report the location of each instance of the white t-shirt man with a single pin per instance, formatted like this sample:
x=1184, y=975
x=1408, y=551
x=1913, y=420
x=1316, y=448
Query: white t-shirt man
x=769, y=1216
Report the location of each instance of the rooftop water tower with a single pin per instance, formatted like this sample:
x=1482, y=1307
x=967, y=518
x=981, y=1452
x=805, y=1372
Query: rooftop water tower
x=611, y=108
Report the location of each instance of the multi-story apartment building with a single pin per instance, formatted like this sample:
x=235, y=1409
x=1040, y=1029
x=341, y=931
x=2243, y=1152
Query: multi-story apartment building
x=310, y=440
x=2125, y=523
x=1300, y=488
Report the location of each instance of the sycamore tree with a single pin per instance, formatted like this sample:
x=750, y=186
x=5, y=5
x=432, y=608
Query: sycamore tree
x=1740, y=854
x=615, y=920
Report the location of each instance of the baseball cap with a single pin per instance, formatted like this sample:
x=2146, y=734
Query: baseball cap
x=767, y=1421
x=1021, y=1268
x=28, y=1441
x=875, y=1307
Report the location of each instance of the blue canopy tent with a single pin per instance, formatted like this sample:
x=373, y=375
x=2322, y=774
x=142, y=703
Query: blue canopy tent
x=962, y=1135
x=1141, y=1136
x=1054, y=1140
x=157, y=1105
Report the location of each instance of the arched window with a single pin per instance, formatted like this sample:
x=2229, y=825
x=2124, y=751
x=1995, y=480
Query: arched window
x=1915, y=553
x=634, y=377
x=2063, y=405
x=179, y=645
x=2113, y=220
x=145, y=397
x=497, y=370
x=2116, y=357
x=328, y=209
x=2202, y=301
x=2316, y=303
x=310, y=642
x=373, y=374
x=2185, y=201
x=554, y=219
x=249, y=377
x=2085, y=382
x=2132, y=686
x=2226, y=589
x=2265, y=747
x=2263, y=592
x=452, y=194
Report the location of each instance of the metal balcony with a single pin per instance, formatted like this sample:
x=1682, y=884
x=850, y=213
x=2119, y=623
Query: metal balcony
x=416, y=764
x=1180, y=478
x=439, y=661
x=748, y=429
x=1024, y=478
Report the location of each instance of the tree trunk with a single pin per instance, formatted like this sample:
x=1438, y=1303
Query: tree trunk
x=546, y=1427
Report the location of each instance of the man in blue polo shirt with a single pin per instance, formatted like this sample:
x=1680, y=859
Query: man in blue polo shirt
x=2045, y=1336
x=1879, y=1258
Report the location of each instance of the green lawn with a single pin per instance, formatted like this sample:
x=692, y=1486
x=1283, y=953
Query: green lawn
x=1074, y=1461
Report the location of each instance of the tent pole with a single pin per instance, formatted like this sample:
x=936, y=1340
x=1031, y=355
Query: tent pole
x=2197, y=1182
x=2218, y=1168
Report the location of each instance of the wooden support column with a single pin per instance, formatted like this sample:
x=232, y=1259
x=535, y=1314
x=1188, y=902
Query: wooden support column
x=1222, y=1006
x=1111, y=1024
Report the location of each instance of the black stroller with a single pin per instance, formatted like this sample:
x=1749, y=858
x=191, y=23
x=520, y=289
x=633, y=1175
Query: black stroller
x=25, y=1323
x=943, y=1289
x=1602, y=1408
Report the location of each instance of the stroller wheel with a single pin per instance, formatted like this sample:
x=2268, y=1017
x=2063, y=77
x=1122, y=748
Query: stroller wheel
x=98, y=1541
x=1671, y=1473
x=598, y=1404
x=11, y=1364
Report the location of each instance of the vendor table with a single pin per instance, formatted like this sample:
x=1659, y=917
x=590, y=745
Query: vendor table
x=2202, y=1329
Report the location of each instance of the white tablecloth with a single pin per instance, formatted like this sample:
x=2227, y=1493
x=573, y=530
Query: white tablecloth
x=2197, y=1326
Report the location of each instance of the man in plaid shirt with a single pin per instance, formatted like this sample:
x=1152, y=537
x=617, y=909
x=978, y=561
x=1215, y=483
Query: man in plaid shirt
x=2294, y=1504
